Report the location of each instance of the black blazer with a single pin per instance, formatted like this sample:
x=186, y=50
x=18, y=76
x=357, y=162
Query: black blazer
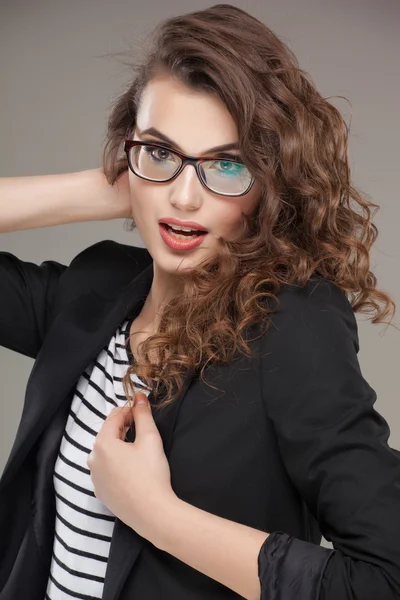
x=288, y=442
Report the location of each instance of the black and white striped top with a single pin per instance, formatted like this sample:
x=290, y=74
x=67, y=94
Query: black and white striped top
x=84, y=526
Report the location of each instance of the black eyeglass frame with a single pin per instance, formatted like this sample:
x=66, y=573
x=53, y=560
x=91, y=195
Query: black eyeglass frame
x=186, y=160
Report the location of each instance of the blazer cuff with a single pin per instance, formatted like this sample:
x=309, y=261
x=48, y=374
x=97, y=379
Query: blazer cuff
x=291, y=569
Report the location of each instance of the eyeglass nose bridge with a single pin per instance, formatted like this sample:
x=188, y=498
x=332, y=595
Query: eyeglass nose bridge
x=187, y=160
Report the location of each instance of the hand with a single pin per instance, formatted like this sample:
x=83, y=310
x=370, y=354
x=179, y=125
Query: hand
x=123, y=194
x=132, y=479
x=117, y=197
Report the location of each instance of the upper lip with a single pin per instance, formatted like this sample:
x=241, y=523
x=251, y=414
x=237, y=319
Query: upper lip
x=191, y=224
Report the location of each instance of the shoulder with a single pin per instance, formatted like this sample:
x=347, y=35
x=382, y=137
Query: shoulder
x=104, y=264
x=309, y=366
x=318, y=313
x=317, y=293
x=112, y=253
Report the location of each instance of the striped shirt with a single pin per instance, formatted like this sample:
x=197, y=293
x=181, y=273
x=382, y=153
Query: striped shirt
x=83, y=525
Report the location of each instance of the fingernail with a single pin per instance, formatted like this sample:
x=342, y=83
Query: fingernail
x=141, y=400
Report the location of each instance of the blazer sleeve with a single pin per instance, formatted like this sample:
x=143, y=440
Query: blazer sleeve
x=334, y=446
x=27, y=291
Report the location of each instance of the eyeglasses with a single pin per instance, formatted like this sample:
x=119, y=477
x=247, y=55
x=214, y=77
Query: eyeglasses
x=158, y=163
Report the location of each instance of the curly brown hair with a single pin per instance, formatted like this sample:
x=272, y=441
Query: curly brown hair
x=310, y=220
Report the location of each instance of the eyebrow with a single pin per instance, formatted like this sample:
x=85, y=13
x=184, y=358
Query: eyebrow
x=156, y=133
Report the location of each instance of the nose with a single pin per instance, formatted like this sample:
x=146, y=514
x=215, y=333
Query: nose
x=186, y=189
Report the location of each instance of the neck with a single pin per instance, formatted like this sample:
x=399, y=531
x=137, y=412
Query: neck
x=163, y=289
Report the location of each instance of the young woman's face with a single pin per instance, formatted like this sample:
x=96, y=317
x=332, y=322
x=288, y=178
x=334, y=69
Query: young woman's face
x=195, y=122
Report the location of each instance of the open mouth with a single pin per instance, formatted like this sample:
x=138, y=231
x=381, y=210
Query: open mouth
x=183, y=235
x=182, y=240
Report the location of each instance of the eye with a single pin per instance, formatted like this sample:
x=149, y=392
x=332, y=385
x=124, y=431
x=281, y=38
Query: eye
x=157, y=154
x=228, y=167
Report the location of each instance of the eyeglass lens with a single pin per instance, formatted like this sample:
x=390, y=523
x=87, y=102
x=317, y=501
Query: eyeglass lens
x=220, y=175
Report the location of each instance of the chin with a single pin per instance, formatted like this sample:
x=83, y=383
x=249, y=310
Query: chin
x=177, y=264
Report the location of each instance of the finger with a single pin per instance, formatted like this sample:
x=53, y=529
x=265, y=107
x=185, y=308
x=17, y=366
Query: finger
x=144, y=421
x=117, y=423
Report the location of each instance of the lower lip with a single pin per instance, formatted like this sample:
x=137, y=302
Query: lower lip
x=176, y=244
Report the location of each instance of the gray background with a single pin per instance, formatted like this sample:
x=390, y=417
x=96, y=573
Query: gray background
x=56, y=91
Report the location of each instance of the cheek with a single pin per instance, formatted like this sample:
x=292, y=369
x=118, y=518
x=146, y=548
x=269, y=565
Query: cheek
x=232, y=216
x=232, y=221
x=228, y=223
x=134, y=186
x=139, y=196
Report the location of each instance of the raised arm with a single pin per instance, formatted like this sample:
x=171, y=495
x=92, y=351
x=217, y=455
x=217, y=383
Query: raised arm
x=47, y=200
x=27, y=290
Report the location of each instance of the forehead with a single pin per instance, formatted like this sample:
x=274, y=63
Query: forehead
x=195, y=120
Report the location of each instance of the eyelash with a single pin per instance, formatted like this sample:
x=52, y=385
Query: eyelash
x=232, y=157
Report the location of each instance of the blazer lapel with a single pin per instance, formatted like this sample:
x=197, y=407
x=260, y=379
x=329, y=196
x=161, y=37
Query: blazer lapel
x=126, y=544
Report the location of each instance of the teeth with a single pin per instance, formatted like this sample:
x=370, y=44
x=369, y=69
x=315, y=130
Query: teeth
x=180, y=236
x=177, y=228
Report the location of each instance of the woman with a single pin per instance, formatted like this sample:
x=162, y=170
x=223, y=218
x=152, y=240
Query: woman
x=234, y=322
